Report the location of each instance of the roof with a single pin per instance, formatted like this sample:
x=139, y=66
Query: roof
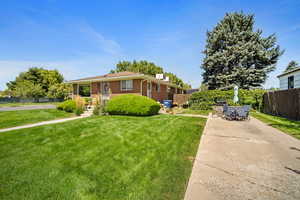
x=110, y=75
x=190, y=91
x=121, y=76
x=289, y=72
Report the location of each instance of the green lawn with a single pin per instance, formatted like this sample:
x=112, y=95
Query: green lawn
x=288, y=126
x=25, y=104
x=21, y=117
x=103, y=157
x=198, y=112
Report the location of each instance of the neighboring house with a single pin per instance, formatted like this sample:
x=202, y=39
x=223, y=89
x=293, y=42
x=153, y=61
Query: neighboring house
x=110, y=85
x=191, y=91
x=290, y=79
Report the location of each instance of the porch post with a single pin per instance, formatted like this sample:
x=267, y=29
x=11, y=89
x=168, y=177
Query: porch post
x=78, y=89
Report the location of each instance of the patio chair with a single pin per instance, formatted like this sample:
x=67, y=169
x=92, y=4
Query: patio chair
x=230, y=113
x=243, y=112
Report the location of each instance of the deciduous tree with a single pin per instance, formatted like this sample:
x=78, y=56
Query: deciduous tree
x=148, y=68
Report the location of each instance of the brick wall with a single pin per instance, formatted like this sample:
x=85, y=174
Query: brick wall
x=160, y=95
x=115, y=87
x=95, y=88
x=181, y=99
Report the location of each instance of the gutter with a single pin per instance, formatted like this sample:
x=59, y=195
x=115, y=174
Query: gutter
x=286, y=73
x=141, y=76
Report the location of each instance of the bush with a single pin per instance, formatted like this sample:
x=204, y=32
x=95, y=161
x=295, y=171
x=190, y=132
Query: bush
x=78, y=111
x=99, y=110
x=204, y=100
x=68, y=106
x=130, y=104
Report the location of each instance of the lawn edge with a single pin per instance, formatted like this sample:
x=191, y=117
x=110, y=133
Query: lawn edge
x=204, y=132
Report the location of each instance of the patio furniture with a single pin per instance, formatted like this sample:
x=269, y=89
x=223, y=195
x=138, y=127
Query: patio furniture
x=236, y=112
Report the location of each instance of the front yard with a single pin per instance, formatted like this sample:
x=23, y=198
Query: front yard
x=285, y=125
x=110, y=157
x=22, y=117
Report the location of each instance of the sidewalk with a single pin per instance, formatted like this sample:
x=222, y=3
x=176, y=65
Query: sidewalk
x=245, y=160
x=45, y=123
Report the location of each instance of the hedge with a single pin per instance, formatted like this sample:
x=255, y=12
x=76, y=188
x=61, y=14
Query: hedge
x=130, y=104
x=204, y=100
x=68, y=106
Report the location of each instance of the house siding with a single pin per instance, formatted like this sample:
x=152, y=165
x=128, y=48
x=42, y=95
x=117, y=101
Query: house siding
x=283, y=80
x=160, y=95
x=115, y=89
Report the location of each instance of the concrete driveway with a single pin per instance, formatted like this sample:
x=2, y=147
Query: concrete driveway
x=245, y=160
x=29, y=107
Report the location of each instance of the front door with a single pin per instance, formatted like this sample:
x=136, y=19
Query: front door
x=149, y=89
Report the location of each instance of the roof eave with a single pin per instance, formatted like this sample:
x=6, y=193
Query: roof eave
x=286, y=73
x=139, y=76
x=106, y=79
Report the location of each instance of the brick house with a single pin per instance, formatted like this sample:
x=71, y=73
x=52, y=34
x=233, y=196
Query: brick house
x=110, y=85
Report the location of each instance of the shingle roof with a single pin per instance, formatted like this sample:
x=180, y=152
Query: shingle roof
x=110, y=75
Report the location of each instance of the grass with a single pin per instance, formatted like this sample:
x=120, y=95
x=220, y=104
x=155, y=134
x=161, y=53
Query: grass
x=285, y=125
x=22, y=117
x=198, y=112
x=26, y=104
x=103, y=157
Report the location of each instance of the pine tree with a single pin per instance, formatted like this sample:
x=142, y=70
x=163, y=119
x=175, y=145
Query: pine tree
x=235, y=54
x=292, y=65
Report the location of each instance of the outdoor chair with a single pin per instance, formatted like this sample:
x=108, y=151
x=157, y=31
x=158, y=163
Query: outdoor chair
x=236, y=112
x=229, y=113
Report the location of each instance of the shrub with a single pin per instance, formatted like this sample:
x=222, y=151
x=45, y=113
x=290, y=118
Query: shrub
x=99, y=110
x=80, y=105
x=78, y=111
x=204, y=100
x=130, y=104
x=68, y=106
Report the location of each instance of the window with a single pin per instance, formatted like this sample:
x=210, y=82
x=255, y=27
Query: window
x=290, y=82
x=126, y=85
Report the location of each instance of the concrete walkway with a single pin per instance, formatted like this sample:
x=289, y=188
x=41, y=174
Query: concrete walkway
x=86, y=114
x=245, y=160
x=28, y=107
x=192, y=115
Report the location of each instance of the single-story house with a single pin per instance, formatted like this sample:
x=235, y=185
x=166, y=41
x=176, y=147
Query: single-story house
x=107, y=86
x=290, y=79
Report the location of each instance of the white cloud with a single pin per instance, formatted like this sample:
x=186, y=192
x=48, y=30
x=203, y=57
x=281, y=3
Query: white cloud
x=107, y=45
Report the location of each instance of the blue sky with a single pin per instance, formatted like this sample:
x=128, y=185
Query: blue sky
x=87, y=38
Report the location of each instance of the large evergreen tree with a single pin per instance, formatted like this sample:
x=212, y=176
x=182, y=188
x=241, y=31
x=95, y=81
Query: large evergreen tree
x=236, y=54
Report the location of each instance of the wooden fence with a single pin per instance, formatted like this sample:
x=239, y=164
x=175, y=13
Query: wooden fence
x=285, y=103
x=180, y=99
